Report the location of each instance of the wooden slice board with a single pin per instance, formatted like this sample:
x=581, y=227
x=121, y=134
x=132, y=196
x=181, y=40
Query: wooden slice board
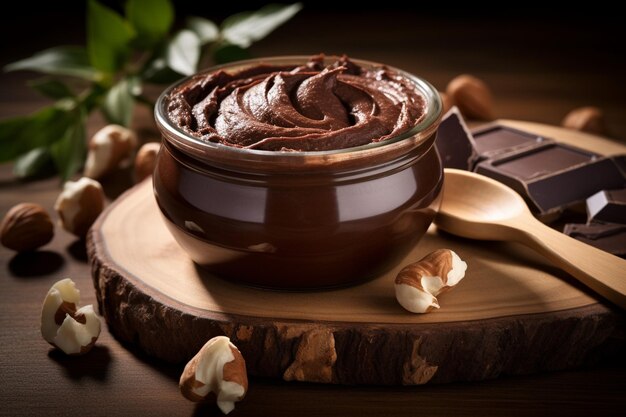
x=513, y=313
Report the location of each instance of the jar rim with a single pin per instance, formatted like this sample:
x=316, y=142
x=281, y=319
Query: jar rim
x=195, y=146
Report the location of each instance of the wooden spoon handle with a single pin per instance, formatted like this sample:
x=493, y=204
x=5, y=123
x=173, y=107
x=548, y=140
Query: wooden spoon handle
x=602, y=272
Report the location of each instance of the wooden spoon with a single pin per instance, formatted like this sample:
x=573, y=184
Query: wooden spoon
x=478, y=207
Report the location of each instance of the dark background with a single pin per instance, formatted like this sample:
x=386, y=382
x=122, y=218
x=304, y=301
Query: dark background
x=568, y=58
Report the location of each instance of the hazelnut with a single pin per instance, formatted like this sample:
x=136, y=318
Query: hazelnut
x=78, y=206
x=26, y=227
x=217, y=368
x=109, y=147
x=145, y=161
x=418, y=284
x=72, y=330
x=446, y=102
x=471, y=96
x=586, y=119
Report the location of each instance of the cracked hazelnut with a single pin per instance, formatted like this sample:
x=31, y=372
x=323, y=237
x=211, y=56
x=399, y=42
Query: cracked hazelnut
x=145, y=161
x=217, y=368
x=471, y=96
x=78, y=206
x=72, y=330
x=418, y=284
x=586, y=119
x=26, y=227
x=108, y=148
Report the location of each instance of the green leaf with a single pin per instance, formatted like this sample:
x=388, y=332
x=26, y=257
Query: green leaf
x=52, y=88
x=183, y=52
x=61, y=60
x=92, y=98
x=145, y=101
x=108, y=37
x=69, y=153
x=228, y=53
x=151, y=19
x=157, y=72
x=22, y=134
x=245, y=28
x=119, y=102
x=206, y=30
x=35, y=163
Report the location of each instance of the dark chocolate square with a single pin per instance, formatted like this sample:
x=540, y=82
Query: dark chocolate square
x=620, y=161
x=544, y=161
x=496, y=140
x=554, y=176
x=608, y=206
x=454, y=142
x=608, y=237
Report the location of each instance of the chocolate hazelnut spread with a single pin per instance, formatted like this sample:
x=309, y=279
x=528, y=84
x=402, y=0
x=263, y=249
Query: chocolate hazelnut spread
x=310, y=107
x=293, y=220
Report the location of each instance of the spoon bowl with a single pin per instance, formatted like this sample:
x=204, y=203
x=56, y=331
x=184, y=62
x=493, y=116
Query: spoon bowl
x=478, y=207
x=472, y=197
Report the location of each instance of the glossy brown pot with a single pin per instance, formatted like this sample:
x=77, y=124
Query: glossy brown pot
x=299, y=220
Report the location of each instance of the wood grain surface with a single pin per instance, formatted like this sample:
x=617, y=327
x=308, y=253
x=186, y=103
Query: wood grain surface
x=520, y=312
x=536, y=72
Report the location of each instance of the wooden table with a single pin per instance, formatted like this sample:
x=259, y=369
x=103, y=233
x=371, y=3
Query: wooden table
x=532, y=79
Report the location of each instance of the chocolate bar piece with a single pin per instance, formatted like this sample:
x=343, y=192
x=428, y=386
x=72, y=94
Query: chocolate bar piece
x=461, y=149
x=455, y=142
x=554, y=176
x=620, y=161
x=496, y=140
x=608, y=206
x=608, y=237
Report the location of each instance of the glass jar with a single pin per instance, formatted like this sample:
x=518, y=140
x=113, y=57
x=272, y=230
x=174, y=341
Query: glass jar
x=299, y=220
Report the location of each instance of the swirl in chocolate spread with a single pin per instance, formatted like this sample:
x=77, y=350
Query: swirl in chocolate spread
x=310, y=107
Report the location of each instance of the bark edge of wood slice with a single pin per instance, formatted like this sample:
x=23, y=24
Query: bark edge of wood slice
x=152, y=296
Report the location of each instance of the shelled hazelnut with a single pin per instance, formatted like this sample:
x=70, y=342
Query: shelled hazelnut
x=78, y=206
x=418, y=284
x=217, y=368
x=446, y=102
x=586, y=119
x=145, y=161
x=108, y=148
x=472, y=96
x=73, y=330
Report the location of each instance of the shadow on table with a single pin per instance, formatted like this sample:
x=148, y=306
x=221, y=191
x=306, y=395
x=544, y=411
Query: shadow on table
x=94, y=365
x=117, y=182
x=207, y=409
x=169, y=370
x=78, y=250
x=35, y=264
